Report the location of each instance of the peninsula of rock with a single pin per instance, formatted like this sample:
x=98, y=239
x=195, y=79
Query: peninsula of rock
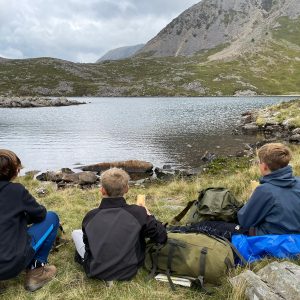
x=26, y=102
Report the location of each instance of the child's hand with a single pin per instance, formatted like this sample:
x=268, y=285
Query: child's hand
x=254, y=184
x=148, y=212
x=141, y=201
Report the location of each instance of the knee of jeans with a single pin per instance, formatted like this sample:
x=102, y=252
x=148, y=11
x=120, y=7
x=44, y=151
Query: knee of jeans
x=51, y=215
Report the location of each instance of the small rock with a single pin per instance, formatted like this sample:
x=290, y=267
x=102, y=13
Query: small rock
x=67, y=171
x=295, y=138
x=208, y=157
x=42, y=192
x=296, y=131
x=251, y=127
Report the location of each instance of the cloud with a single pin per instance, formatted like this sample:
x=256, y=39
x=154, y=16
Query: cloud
x=79, y=30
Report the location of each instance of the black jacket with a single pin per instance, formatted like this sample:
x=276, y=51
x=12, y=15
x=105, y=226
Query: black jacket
x=17, y=209
x=114, y=236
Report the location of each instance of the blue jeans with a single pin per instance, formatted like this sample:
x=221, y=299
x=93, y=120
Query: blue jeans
x=43, y=235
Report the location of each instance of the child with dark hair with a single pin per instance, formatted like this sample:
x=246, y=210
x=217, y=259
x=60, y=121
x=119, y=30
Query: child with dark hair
x=27, y=230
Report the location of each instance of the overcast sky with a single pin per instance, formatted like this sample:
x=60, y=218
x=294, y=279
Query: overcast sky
x=81, y=30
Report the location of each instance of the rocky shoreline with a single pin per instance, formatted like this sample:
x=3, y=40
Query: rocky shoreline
x=28, y=102
x=278, y=122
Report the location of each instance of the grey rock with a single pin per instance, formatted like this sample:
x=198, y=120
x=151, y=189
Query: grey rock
x=296, y=131
x=273, y=128
x=42, y=192
x=251, y=127
x=246, y=119
x=283, y=277
x=50, y=176
x=87, y=178
x=245, y=93
x=277, y=280
x=255, y=288
x=67, y=171
x=294, y=138
x=67, y=177
x=208, y=157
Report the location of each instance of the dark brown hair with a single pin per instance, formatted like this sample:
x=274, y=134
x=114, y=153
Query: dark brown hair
x=274, y=155
x=10, y=164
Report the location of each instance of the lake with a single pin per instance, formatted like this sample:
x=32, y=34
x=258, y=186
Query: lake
x=175, y=131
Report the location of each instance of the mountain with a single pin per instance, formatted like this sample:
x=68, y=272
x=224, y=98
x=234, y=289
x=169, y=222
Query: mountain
x=215, y=48
x=121, y=53
x=240, y=24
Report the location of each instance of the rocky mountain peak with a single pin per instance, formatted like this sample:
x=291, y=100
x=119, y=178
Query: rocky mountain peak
x=212, y=23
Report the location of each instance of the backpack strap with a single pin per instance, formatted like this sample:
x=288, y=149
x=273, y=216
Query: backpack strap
x=180, y=216
x=169, y=265
x=200, y=279
x=235, y=250
x=154, y=259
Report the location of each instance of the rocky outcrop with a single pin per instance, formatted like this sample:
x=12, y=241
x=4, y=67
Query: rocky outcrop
x=270, y=123
x=276, y=281
x=137, y=169
x=241, y=25
x=27, y=102
x=66, y=177
x=167, y=173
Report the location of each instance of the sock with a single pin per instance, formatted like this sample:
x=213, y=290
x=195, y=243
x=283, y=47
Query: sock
x=36, y=264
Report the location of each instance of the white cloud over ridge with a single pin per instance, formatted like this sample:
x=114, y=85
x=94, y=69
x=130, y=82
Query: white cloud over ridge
x=80, y=31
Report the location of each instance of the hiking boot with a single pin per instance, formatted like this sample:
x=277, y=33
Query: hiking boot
x=38, y=277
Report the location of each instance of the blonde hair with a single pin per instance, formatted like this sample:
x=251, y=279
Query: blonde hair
x=10, y=165
x=115, y=181
x=274, y=155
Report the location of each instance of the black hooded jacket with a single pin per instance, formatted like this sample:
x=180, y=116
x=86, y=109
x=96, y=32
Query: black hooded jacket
x=114, y=236
x=17, y=209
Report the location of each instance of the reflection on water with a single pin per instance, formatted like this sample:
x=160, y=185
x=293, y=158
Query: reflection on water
x=160, y=130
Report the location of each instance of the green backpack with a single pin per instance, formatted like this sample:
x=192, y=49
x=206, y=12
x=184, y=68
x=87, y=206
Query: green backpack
x=204, y=258
x=214, y=204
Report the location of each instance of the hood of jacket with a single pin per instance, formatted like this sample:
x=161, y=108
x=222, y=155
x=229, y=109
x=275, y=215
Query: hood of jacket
x=282, y=177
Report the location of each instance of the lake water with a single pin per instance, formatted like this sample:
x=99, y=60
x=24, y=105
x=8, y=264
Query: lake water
x=174, y=131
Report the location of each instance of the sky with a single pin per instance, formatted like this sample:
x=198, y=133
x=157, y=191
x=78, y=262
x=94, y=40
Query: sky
x=81, y=30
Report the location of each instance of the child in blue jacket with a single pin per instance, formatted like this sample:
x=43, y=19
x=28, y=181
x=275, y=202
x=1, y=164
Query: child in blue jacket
x=274, y=207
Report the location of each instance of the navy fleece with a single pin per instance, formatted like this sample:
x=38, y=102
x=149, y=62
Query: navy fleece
x=274, y=207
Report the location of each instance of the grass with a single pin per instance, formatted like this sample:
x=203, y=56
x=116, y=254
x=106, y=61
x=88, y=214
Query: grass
x=164, y=200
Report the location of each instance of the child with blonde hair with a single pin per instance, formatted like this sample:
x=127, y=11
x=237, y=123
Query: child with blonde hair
x=111, y=245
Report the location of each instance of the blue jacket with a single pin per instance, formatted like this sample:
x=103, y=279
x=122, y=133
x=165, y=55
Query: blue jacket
x=274, y=207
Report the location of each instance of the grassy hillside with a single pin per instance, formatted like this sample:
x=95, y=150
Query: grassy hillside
x=274, y=68
x=164, y=200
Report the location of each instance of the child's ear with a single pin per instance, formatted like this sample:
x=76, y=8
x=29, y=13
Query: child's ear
x=126, y=189
x=103, y=191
